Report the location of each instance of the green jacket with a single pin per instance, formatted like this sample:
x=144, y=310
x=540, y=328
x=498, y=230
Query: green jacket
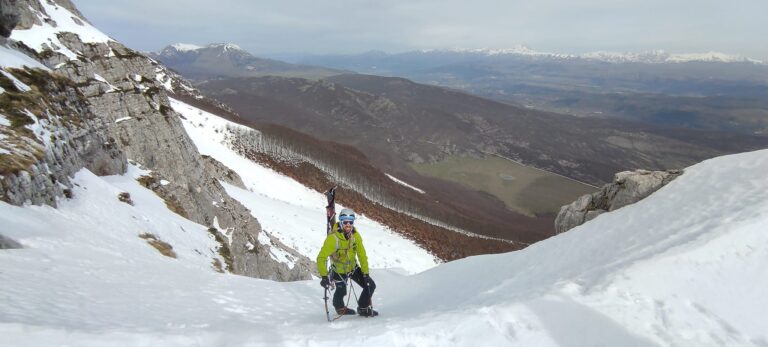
x=342, y=252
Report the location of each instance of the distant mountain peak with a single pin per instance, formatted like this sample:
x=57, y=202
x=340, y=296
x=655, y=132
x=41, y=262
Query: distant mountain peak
x=184, y=47
x=215, y=60
x=226, y=46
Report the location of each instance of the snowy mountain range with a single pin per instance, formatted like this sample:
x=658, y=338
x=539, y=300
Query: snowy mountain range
x=187, y=47
x=710, y=91
x=651, y=57
x=660, y=56
x=128, y=218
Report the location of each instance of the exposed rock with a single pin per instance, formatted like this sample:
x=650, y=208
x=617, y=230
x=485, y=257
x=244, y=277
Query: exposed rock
x=6, y=243
x=627, y=188
x=28, y=10
x=40, y=165
x=9, y=17
x=221, y=172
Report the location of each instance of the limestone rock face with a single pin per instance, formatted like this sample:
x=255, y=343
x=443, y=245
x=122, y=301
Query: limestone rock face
x=27, y=17
x=9, y=17
x=69, y=138
x=221, y=172
x=29, y=9
x=627, y=188
x=111, y=108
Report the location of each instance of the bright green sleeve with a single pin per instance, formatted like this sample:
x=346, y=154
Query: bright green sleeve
x=329, y=246
x=361, y=254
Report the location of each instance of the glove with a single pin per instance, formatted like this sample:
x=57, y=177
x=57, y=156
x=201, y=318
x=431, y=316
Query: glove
x=367, y=279
x=324, y=282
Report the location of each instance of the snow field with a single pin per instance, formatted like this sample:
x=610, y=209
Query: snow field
x=13, y=58
x=86, y=278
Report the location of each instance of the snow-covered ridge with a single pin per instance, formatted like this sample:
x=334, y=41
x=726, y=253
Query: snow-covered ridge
x=651, y=57
x=516, y=50
x=43, y=36
x=228, y=47
x=186, y=47
x=661, y=56
x=15, y=59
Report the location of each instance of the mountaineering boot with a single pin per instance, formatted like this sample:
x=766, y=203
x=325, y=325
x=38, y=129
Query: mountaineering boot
x=367, y=312
x=344, y=311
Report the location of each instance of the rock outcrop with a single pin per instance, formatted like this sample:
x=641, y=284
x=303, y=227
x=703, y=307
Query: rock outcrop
x=6, y=243
x=68, y=137
x=627, y=188
x=221, y=172
x=107, y=106
x=9, y=17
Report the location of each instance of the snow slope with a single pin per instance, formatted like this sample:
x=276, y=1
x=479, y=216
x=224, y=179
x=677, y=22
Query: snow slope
x=286, y=209
x=15, y=59
x=684, y=267
x=185, y=47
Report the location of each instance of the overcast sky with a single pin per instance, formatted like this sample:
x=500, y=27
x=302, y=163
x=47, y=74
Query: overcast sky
x=351, y=26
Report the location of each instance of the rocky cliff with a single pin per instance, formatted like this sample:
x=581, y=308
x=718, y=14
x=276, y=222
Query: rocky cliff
x=96, y=104
x=627, y=188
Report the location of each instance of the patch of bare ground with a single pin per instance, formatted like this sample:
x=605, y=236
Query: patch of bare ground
x=161, y=246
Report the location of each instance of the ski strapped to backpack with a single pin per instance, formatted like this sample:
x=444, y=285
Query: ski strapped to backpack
x=330, y=210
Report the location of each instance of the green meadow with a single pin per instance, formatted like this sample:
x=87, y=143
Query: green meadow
x=522, y=189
